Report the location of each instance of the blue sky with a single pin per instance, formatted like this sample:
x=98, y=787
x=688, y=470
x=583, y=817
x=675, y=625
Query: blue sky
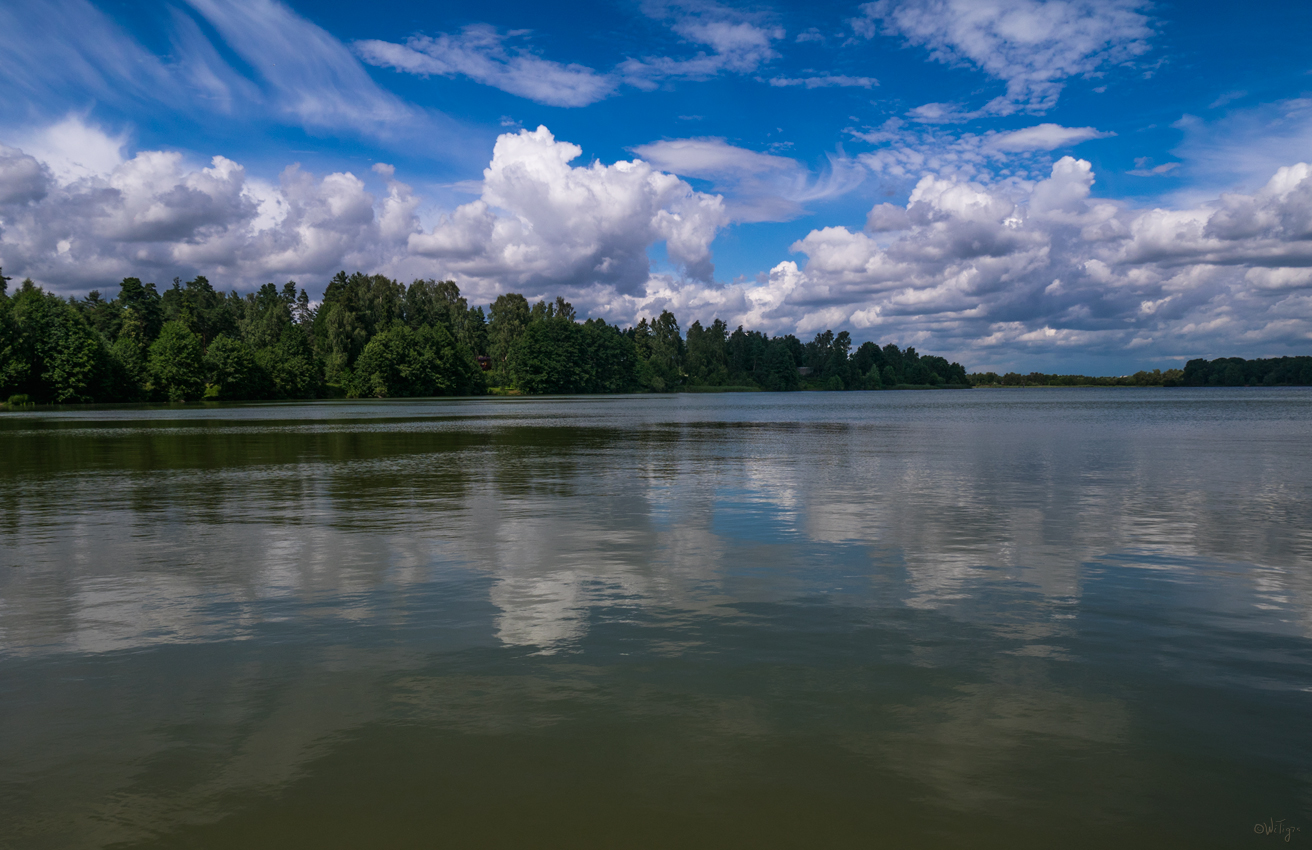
x=1047, y=185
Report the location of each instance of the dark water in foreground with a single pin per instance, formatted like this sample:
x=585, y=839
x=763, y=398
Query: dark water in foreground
x=1043, y=618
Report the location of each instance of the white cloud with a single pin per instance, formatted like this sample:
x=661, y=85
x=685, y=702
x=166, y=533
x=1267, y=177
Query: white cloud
x=312, y=76
x=997, y=273
x=73, y=148
x=1143, y=167
x=1032, y=45
x=757, y=186
x=90, y=54
x=1240, y=150
x=542, y=222
x=481, y=53
x=1045, y=137
x=906, y=152
x=825, y=81
x=155, y=215
x=739, y=44
x=987, y=271
x=65, y=54
x=729, y=42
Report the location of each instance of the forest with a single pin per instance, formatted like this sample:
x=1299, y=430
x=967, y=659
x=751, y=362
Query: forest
x=374, y=337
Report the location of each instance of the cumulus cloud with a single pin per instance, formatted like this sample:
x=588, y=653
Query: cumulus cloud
x=1007, y=272
x=156, y=215
x=541, y=221
x=757, y=186
x=984, y=271
x=482, y=54
x=990, y=271
x=22, y=178
x=1032, y=45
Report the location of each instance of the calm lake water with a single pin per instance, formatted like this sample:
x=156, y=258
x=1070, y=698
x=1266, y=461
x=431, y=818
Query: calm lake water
x=1013, y=619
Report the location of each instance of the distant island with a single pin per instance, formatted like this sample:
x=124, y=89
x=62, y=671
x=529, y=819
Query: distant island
x=374, y=337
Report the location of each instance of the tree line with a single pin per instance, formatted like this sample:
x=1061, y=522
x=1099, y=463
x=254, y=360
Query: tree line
x=374, y=337
x=1237, y=372
x=1155, y=378
x=1222, y=372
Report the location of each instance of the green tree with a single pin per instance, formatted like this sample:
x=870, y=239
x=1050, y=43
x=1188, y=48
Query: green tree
x=233, y=371
x=779, y=371
x=707, y=355
x=128, y=355
x=549, y=358
x=14, y=366
x=67, y=361
x=291, y=365
x=406, y=362
x=176, y=363
x=509, y=319
x=267, y=315
x=145, y=301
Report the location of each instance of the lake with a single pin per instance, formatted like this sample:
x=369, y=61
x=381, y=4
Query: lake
x=990, y=618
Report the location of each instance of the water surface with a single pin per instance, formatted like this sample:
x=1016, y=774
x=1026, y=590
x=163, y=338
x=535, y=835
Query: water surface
x=1027, y=618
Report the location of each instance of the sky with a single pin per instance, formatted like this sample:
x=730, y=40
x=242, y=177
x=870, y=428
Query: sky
x=1051, y=185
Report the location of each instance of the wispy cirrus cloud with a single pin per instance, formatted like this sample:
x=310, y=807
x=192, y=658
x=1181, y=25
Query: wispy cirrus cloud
x=1031, y=45
x=821, y=81
x=757, y=186
x=491, y=57
x=294, y=72
x=307, y=71
x=727, y=42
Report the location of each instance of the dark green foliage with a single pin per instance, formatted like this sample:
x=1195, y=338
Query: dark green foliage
x=200, y=307
x=557, y=355
x=509, y=319
x=292, y=366
x=266, y=315
x=1237, y=372
x=373, y=337
x=176, y=363
x=708, y=354
x=14, y=367
x=145, y=301
x=58, y=357
x=234, y=372
x=405, y=362
x=1155, y=378
x=779, y=370
x=661, y=351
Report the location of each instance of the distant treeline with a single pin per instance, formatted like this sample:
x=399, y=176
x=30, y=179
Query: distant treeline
x=1237, y=372
x=373, y=337
x=1222, y=372
x=1155, y=378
